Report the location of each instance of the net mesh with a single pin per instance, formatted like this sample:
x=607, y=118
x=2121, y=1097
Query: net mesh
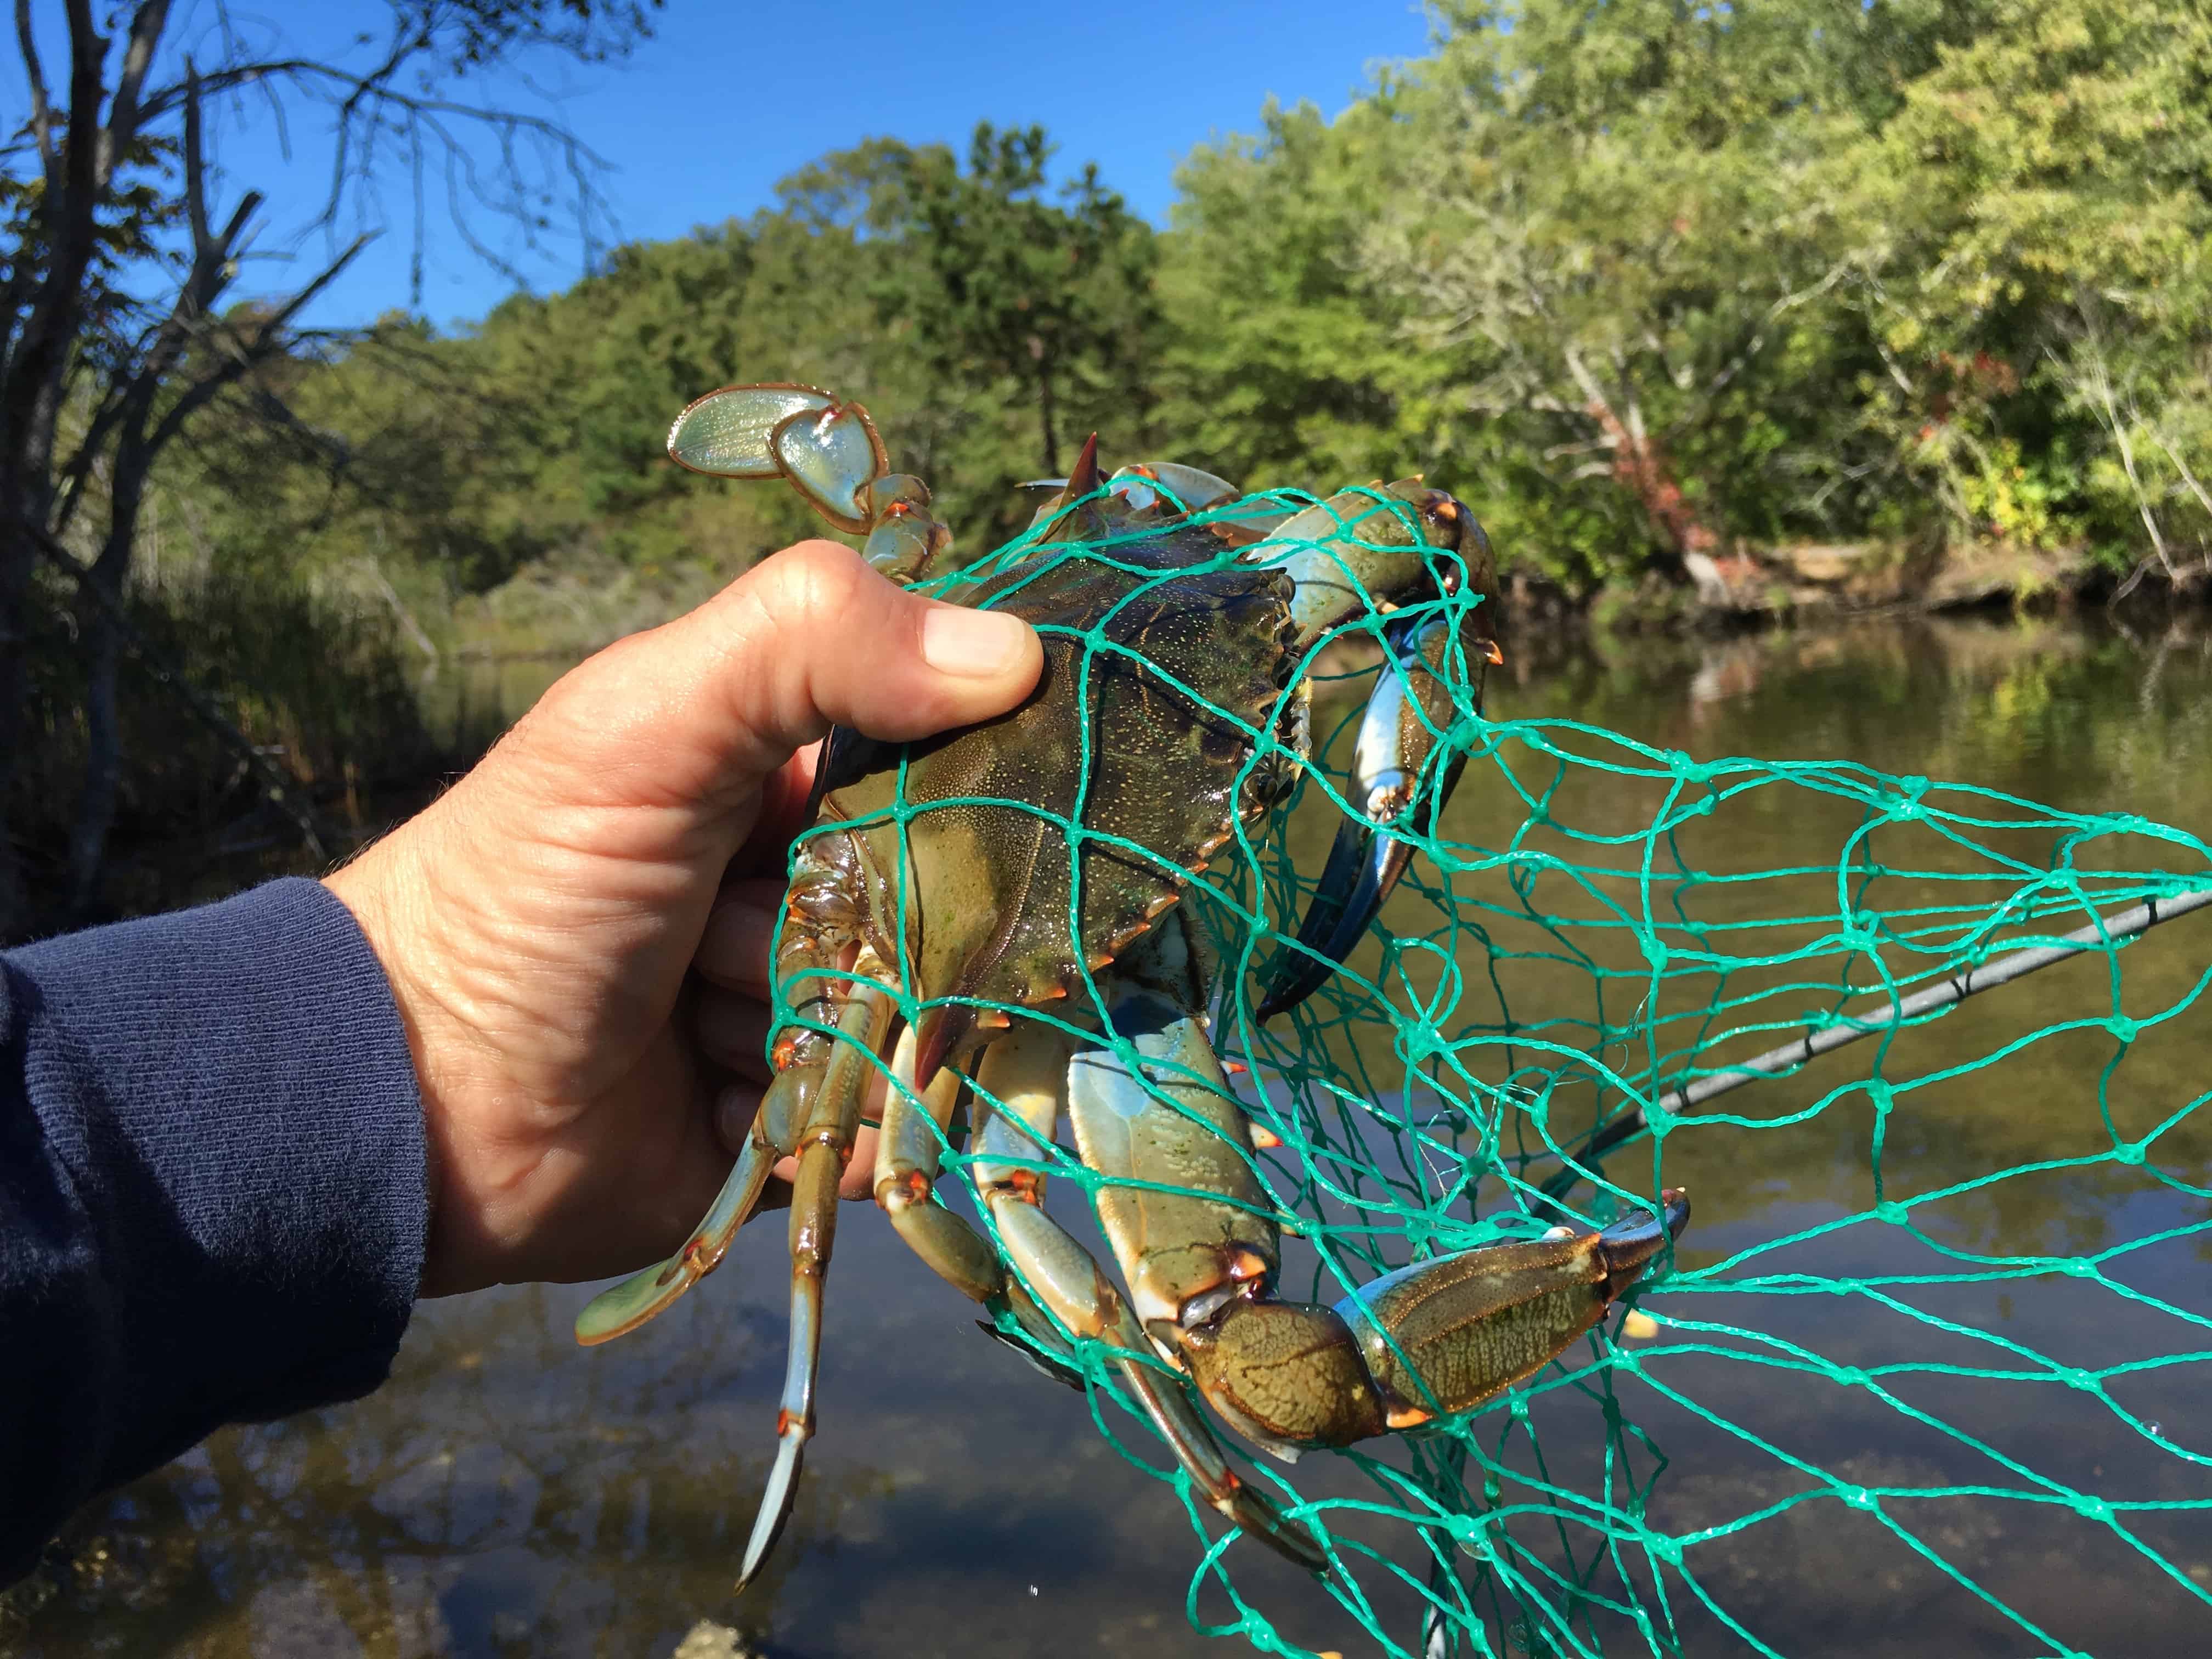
x=1594, y=927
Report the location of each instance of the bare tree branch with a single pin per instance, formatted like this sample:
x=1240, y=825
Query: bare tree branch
x=146, y=26
x=242, y=356
x=42, y=114
x=110, y=339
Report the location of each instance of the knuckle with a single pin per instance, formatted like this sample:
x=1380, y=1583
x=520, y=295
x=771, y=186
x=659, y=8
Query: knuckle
x=816, y=582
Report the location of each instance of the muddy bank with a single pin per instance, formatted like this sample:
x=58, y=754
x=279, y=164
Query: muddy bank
x=1813, y=583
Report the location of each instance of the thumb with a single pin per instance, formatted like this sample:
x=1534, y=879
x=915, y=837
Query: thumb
x=701, y=713
x=813, y=637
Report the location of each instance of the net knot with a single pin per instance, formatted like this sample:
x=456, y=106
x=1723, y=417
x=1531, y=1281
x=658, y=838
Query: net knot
x=1859, y=933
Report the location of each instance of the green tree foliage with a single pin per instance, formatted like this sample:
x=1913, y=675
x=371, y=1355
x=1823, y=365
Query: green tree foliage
x=2049, y=318
x=1279, y=364
x=1647, y=283
x=1822, y=269
x=1000, y=284
x=979, y=317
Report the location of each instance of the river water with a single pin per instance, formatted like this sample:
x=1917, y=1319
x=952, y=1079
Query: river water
x=510, y=1493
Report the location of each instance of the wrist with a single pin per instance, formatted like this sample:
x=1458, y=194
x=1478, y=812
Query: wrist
x=385, y=894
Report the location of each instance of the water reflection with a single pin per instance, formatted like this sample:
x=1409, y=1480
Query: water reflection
x=510, y=1493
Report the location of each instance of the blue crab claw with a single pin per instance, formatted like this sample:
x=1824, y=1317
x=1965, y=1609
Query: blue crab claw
x=1406, y=716
x=727, y=432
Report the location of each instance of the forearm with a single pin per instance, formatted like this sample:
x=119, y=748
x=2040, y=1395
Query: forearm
x=213, y=1201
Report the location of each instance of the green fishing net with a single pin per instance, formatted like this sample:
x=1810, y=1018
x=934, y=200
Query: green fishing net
x=1940, y=1312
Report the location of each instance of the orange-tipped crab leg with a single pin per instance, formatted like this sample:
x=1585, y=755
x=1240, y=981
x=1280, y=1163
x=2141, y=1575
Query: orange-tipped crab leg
x=618, y=1311
x=825, y=1146
x=908, y=1149
x=906, y=539
x=778, y=1131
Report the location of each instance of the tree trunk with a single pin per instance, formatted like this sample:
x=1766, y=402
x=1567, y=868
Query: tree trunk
x=101, y=631
x=1045, y=418
x=17, y=557
x=1642, y=467
x=103, y=766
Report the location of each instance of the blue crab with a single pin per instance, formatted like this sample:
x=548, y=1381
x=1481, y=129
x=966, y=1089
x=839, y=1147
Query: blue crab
x=993, y=915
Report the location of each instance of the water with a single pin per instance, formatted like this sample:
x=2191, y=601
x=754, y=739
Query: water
x=510, y=1493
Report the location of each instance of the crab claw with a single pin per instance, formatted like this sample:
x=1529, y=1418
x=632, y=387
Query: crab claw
x=1406, y=717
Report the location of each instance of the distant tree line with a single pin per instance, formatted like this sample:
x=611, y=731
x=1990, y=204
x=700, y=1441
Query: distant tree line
x=1642, y=281
x=1646, y=283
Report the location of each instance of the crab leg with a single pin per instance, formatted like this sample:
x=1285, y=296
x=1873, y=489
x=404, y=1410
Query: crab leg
x=904, y=538
x=908, y=1152
x=775, y=1136
x=1026, y=1072
x=1440, y=1336
x=802, y=1057
x=907, y=1149
x=825, y=1146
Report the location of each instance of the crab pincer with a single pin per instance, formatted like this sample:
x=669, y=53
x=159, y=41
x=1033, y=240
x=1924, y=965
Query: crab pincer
x=1404, y=770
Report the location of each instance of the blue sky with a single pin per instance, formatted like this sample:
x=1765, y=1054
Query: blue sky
x=700, y=121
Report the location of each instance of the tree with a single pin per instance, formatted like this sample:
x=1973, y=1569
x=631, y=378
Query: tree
x=2047, y=330
x=1621, y=217
x=113, y=335
x=1283, y=364
x=1004, y=284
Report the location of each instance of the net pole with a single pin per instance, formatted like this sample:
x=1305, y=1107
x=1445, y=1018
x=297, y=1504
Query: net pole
x=2126, y=925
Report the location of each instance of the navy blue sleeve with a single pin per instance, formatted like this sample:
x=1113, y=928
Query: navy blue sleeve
x=213, y=1189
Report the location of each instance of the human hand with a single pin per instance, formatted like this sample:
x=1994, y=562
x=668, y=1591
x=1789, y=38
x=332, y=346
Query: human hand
x=539, y=922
